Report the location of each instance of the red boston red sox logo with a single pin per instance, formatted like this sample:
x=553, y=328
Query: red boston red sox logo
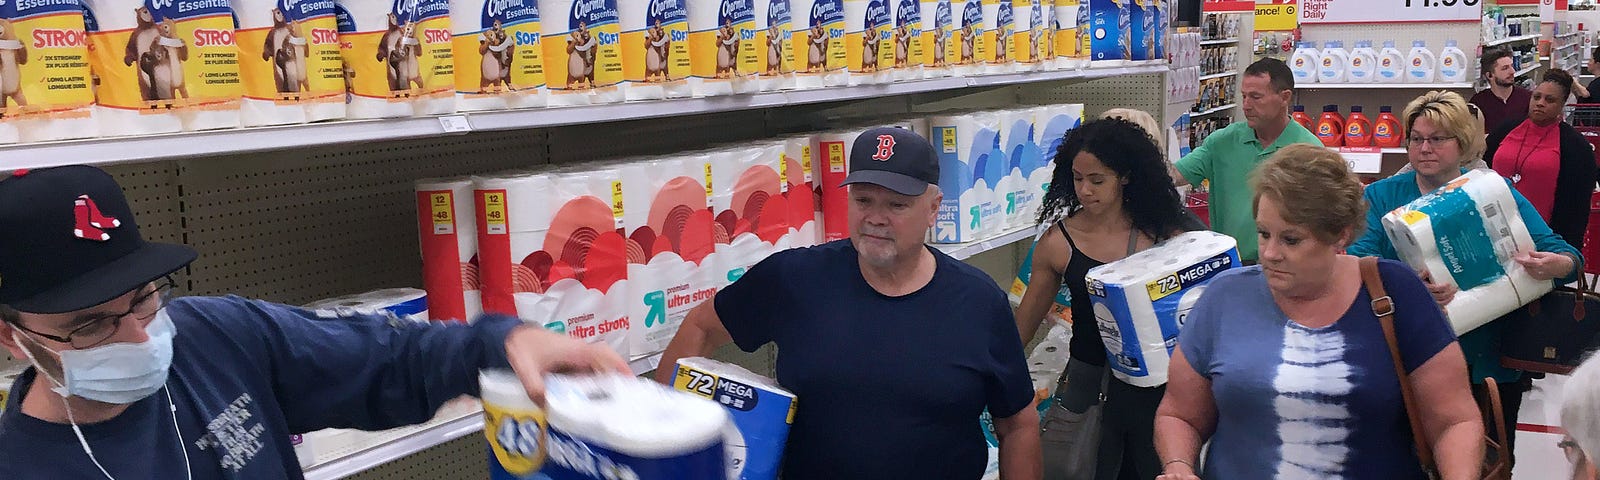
x=90, y=223
x=885, y=148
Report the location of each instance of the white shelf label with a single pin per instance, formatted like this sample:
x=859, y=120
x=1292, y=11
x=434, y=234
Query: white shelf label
x=1363, y=159
x=455, y=124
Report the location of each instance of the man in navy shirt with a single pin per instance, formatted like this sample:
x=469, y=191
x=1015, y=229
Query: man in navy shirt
x=125, y=385
x=892, y=348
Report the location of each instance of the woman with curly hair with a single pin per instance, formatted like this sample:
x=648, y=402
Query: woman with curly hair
x=1110, y=196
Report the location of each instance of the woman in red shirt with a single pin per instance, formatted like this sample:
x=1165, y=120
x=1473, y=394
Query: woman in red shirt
x=1547, y=160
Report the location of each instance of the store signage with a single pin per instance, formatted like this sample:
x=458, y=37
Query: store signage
x=1547, y=11
x=1221, y=6
x=1278, y=17
x=1389, y=11
x=1363, y=159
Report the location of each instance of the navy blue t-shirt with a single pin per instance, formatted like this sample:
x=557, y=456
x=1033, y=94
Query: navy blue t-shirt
x=887, y=387
x=1298, y=402
x=245, y=376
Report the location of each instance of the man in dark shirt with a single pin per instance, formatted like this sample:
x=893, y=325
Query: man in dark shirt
x=893, y=349
x=1503, y=102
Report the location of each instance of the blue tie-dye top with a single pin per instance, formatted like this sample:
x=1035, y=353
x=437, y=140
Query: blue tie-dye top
x=1304, y=403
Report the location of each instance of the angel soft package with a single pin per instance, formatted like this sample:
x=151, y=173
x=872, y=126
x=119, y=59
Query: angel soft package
x=1467, y=234
x=762, y=412
x=1140, y=301
x=972, y=167
x=601, y=428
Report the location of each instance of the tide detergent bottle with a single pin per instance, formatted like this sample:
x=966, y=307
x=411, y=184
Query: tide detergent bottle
x=1357, y=129
x=1330, y=128
x=1386, y=131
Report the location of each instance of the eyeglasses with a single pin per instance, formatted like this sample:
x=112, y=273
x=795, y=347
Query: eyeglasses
x=96, y=329
x=1436, y=141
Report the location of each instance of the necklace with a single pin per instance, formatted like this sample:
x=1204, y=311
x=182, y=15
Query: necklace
x=1522, y=159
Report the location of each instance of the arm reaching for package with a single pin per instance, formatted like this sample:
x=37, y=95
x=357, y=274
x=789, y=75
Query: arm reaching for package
x=700, y=335
x=1019, y=444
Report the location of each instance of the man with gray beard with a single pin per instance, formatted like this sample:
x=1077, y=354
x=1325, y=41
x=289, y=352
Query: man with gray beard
x=893, y=348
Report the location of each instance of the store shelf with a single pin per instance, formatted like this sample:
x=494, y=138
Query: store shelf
x=1570, y=34
x=1220, y=41
x=1223, y=108
x=1529, y=69
x=1544, y=59
x=104, y=151
x=1218, y=75
x=1420, y=86
x=1504, y=41
x=963, y=251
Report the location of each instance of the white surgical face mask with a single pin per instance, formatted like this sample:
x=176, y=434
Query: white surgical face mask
x=119, y=373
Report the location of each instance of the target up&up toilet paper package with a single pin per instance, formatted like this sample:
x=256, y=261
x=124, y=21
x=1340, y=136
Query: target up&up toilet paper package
x=582, y=51
x=655, y=49
x=671, y=233
x=289, y=62
x=762, y=411
x=449, y=241
x=1050, y=126
x=869, y=41
x=398, y=57
x=601, y=428
x=819, y=43
x=747, y=198
x=972, y=168
x=799, y=194
x=832, y=165
x=1140, y=302
x=1023, y=161
x=46, y=88
x=1467, y=234
x=499, y=59
x=941, y=40
x=553, y=253
x=725, y=41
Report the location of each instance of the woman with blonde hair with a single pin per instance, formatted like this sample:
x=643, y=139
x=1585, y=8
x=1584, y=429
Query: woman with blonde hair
x=1442, y=136
x=1580, y=417
x=1283, y=366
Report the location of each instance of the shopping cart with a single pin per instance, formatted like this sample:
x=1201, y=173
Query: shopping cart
x=1198, y=203
x=1585, y=118
x=1583, y=115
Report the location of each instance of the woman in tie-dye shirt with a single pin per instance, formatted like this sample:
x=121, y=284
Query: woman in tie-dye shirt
x=1283, y=366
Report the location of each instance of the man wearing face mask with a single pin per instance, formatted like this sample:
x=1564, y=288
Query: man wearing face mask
x=893, y=348
x=128, y=383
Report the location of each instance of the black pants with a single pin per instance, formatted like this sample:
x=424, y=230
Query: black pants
x=1510, y=404
x=1127, y=434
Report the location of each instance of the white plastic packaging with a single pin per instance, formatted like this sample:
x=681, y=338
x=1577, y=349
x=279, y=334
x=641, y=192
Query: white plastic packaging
x=1333, y=64
x=1421, y=64
x=1304, y=63
x=1363, y=66
x=1452, y=63
x=1391, y=64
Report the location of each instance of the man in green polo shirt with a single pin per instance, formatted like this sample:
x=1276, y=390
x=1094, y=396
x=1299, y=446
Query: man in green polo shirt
x=1228, y=155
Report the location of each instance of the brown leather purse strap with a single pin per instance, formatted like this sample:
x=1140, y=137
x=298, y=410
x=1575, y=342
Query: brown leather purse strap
x=1383, y=307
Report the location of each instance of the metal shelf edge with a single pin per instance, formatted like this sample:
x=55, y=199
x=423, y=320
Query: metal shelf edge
x=963, y=251
x=397, y=448
x=1218, y=75
x=1333, y=86
x=1504, y=41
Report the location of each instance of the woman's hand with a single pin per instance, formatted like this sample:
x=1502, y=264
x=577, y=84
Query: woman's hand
x=1546, y=265
x=1442, y=293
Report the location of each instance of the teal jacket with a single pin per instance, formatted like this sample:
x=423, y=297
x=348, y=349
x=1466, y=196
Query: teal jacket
x=1482, y=345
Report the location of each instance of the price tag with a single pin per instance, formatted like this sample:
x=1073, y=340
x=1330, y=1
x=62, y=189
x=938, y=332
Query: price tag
x=1363, y=159
x=443, y=213
x=494, y=211
x=1388, y=11
x=455, y=124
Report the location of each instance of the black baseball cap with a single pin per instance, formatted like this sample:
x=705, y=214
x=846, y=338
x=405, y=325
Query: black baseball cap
x=893, y=158
x=70, y=241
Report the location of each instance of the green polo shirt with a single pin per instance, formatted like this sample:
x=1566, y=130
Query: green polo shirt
x=1226, y=159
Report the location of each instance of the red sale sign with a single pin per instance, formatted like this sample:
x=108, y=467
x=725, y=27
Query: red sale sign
x=1388, y=11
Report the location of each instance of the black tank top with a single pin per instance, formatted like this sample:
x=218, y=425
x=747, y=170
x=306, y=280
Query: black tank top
x=1086, y=345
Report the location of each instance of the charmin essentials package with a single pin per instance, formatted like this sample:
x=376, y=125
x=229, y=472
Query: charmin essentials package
x=499, y=60
x=289, y=62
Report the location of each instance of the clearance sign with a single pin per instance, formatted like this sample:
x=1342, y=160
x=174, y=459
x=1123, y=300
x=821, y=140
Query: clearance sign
x=1277, y=17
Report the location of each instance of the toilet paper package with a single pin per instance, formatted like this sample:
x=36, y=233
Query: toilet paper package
x=655, y=49
x=184, y=60
x=1024, y=43
x=553, y=253
x=869, y=41
x=1140, y=302
x=582, y=51
x=725, y=42
x=1144, y=30
x=941, y=38
x=975, y=40
x=1002, y=20
x=832, y=165
x=397, y=57
x=799, y=194
x=408, y=304
x=819, y=44
x=124, y=53
x=603, y=428
x=289, y=62
x=449, y=240
x=1024, y=159
x=761, y=410
x=671, y=232
x=499, y=59
x=777, y=68
x=972, y=168
x=1072, y=34
x=1108, y=22
x=1050, y=126
x=1467, y=234
x=1044, y=34
x=746, y=196
x=909, y=51
x=46, y=92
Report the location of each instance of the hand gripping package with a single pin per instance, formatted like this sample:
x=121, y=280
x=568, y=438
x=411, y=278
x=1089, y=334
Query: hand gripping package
x=582, y=51
x=726, y=46
x=762, y=412
x=449, y=241
x=553, y=253
x=655, y=49
x=397, y=57
x=671, y=237
x=869, y=41
x=499, y=60
x=1467, y=234
x=972, y=168
x=46, y=88
x=289, y=62
x=819, y=50
x=1140, y=302
x=601, y=428
x=747, y=198
x=163, y=66
x=941, y=39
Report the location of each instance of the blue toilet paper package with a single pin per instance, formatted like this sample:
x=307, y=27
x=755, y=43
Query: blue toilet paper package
x=762, y=412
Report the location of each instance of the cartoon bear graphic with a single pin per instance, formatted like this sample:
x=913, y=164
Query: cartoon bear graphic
x=657, y=48
x=580, y=58
x=869, y=51
x=177, y=53
x=818, y=42
x=13, y=55
x=774, y=50
x=497, y=49
x=727, y=50
x=139, y=43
